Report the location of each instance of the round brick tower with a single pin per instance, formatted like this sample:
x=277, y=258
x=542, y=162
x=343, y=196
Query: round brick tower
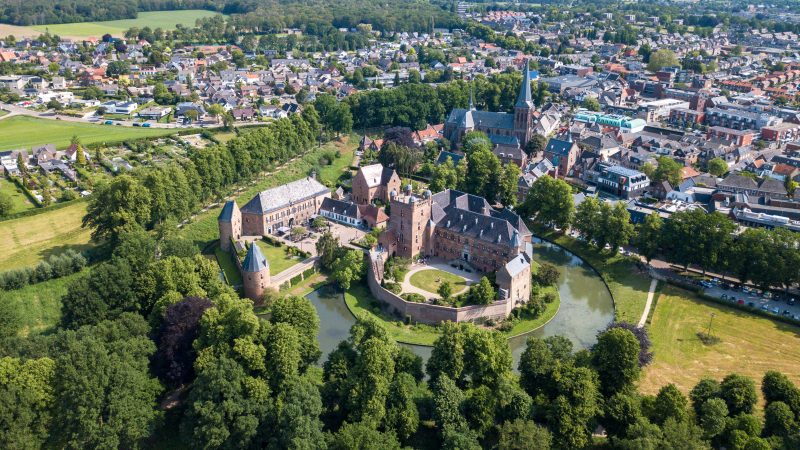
x=255, y=273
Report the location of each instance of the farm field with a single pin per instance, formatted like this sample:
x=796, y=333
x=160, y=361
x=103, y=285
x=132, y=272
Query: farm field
x=24, y=132
x=28, y=240
x=748, y=344
x=153, y=19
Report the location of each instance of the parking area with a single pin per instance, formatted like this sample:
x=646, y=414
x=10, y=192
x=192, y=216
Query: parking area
x=780, y=305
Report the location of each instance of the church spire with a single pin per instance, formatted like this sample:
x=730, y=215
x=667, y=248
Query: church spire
x=525, y=99
x=471, y=97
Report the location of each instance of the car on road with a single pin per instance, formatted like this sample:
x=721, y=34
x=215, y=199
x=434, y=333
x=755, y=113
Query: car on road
x=146, y=125
x=764, y=308
x=776, y=310
x=137, y=124
x=741, y=302
x=751, y=304
x=108, y=122
x=724, y=296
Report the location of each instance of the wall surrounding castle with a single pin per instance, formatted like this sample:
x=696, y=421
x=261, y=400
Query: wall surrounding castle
x=426, y=313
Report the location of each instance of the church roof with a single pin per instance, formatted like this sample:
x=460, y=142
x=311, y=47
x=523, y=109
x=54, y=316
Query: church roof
x=255, y=261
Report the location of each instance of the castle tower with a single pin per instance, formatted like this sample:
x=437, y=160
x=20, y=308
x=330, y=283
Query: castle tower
x=523, y=109
x=230, y=225
x=255, y=273
x=409, y=224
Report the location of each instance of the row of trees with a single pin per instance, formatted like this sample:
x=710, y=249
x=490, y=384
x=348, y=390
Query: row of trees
x=154, y=196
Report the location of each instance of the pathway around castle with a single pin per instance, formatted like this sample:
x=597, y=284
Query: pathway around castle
x=650, y=295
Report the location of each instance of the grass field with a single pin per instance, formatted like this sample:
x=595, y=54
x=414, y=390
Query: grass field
x=19, y=200
x=225, y=261
x=39, y=305
x=277, y=258
x=430, y=280
x=28, y=240
x=154, y=19
x=628, y=286
x=24, y=132
x=748, y=344
x=203, y=229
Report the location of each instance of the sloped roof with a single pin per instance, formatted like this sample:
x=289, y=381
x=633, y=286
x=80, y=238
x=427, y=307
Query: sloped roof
x=227, y=211
x=376, y=174
x=284, y=195
x=255, y=261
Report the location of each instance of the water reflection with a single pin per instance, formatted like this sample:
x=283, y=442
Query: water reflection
x=586, y=307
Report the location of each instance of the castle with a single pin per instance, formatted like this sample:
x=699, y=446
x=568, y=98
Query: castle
x=509, y=133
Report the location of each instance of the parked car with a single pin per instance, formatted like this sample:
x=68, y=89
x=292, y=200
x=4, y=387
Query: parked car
x=146, y=125
x=751, y=304
x=137, y=124
x=724, y=296
x=108, y=122
x=764, y=308
x=776, y=310
x=741, y=302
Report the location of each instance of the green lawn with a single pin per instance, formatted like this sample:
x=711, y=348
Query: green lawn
x=628, y=285
x=39, y=305
x=225, y=261
x=277, y=258
x=28, y=240
x=748, y=344
x=19, y=200
x=204, y=230
x=329, y=174
x=24, y=132
x=430, y=280
x=155, y=19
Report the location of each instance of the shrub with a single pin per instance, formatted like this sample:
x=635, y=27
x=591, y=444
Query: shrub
x=414, y=297
x=393, y=288
x=549, y=297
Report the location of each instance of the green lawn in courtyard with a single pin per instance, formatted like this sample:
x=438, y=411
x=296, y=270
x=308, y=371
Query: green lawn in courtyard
x=277, y=258
x=39, y=305
x=430, y=280
x=19, y=200
x=225, y=261
x=166, y=20
x=25, y=132
x=748, y=344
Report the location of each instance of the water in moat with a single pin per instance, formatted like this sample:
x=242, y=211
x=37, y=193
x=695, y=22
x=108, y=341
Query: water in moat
x=586, y=307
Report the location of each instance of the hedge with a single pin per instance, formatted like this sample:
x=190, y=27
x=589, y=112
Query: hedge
x=56, y=266
x=296, y=279
x=309, y=272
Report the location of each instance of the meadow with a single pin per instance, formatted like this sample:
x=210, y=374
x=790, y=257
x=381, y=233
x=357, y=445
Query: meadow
x=23, y=132
x=19, y=200
x=166, y=20
x=39, y=305
x=746, y=343
x=28, y=240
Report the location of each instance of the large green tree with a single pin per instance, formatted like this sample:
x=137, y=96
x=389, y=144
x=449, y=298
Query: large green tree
x=117, y=207
x=550, y=202
x=616, y=358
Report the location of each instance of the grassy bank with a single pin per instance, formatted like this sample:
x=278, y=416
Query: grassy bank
x=39, y=305
x=627, y=284
x=748, y=344
x=25, y=132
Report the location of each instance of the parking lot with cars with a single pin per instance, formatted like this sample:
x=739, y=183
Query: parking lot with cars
x=777, y=304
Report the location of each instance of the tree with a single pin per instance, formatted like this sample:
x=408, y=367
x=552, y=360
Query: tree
x=777, y=387
x=616, y=358
x=739, y=393
x=547, y=274
x=483, y=172
x=621, y=412
x=297, y=411
x=445, y=290
x=102, y=372
x=26, y=400
x=161, y=94
x=225, y=407
x=447, y=404
x=482, y=293
x=447, y=355
x=523, y=435
x=591, y=104
x=402, y=416
x=779, y=420
x=717, y=167
x=363, y=437
x=6, y=204
x=348, y=267
x=444, y=176
x=300, y=313
x=174, y=359
x=327, y=249
x=215, y=110
x=507, y=194
x=669, y=404
x=550, y=201
x=713, y=417
x=660, y=59
x=282, y=355
x=648, y=238
x=668, y=170
x=535, y=145
x=703, y=391
x=117, y=207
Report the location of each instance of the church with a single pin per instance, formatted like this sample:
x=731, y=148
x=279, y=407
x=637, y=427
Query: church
x=508, y=132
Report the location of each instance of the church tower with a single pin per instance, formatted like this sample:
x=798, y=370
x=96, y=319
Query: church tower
x=523, y=109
